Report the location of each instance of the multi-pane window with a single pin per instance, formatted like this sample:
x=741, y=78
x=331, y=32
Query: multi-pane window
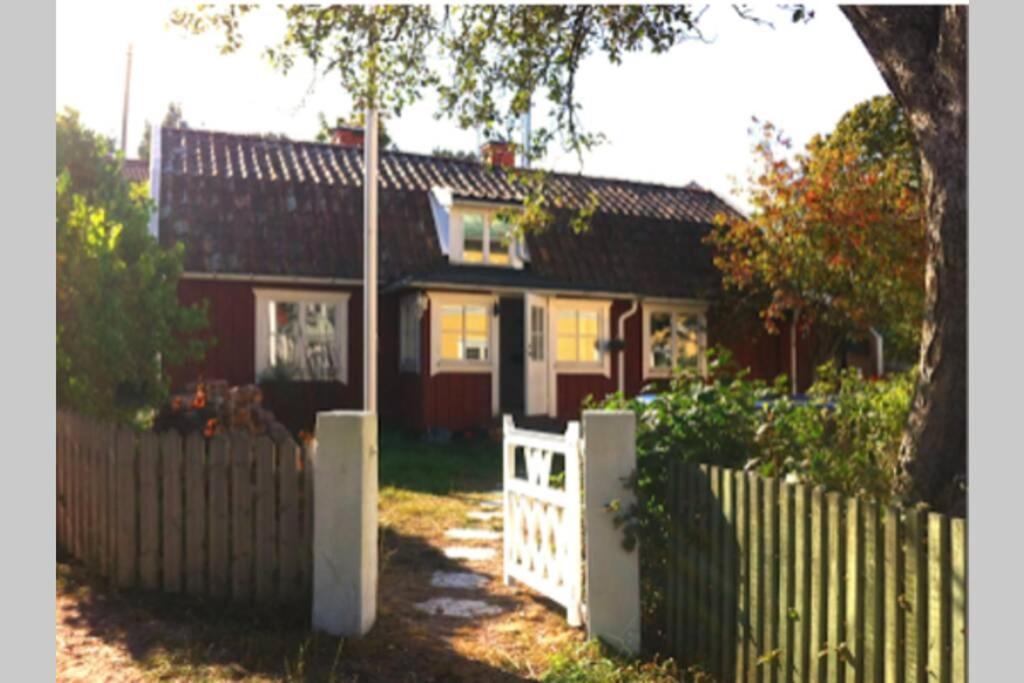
x=577, y=334
x=465, y=332
x=485, y=238
x=673, y=339
x=301, y=336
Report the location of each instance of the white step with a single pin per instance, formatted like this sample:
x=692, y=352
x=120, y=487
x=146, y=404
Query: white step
x=468, y=580
x=472, y=554
x=450, y=607
x=473, y=534
x=484, y=516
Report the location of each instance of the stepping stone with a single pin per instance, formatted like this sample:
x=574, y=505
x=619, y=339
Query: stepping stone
x=469, y=580
x=484, y=516
x=472, y=554
x=490, y=504
x=450, y=607
x=473, y=534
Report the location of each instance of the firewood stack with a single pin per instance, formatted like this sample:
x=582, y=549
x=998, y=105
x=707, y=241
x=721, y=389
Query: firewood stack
x=214, y=407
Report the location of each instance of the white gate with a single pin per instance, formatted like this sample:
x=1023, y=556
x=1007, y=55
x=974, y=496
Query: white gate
x=543, y=519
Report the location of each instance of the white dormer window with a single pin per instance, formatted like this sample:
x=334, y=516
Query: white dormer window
x=479, y=235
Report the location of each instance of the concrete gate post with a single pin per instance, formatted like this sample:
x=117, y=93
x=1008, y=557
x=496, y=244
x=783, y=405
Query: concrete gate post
x=345, y=522
x=612, y=573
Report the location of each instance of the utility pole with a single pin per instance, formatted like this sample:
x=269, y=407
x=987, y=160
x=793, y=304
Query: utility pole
x=124, y=113
x=370, y=260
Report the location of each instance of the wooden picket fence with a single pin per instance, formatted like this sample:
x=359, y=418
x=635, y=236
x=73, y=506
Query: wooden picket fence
x=229, y=517
x=774, y=582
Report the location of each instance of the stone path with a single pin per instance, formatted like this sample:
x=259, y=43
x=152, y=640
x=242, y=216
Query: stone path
x=472, y=584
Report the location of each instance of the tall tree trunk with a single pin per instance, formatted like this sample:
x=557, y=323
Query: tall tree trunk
x=922, y=55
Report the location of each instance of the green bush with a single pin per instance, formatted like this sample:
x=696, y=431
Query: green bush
x=844, y=437
x=589, y=662
x=119, y=322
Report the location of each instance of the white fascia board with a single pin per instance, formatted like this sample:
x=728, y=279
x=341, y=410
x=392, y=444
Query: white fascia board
x=441, y=207
x=154, y=179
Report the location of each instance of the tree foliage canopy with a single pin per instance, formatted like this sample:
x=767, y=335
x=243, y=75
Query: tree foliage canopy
x=173, y=118
x=837, y=231
x=119, y=322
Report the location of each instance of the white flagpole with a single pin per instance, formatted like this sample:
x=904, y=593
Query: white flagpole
x=370, y=261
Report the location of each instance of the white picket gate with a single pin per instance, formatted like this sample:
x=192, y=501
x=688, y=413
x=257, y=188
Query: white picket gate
x=543, y=522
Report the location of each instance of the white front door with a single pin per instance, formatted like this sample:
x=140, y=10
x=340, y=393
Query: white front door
x=536, y=344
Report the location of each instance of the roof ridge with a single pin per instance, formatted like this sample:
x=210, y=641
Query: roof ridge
x=268, y=137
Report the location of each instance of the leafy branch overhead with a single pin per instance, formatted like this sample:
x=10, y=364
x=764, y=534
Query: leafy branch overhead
x=488, y=64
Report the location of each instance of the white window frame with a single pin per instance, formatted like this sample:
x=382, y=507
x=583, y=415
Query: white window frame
x=263, y=298
x=410, y=314
x=603, y=365
x=700, y=312
x=457, y=242
x=438, y=364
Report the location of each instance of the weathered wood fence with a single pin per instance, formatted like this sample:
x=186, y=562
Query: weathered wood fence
x=227, y=518
x=776, y=582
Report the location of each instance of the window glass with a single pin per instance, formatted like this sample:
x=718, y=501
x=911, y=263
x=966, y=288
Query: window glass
x=566, y=347
x=451, y=332
x=687, y=340
x=409, y=353
x=498, y=234
x=473, y=237
x=536, y=333
x=284, y=333
x=587, y=337
x=319, y=337
x=465, y=332
x=661, y=341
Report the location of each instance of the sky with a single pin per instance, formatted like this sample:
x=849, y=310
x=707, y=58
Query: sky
x=670, y=118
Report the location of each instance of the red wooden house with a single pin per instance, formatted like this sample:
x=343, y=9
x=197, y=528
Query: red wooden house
x=472, y=324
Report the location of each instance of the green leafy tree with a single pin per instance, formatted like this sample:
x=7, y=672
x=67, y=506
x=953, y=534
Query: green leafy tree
x=836, y=236
x=119, y=323
x=172, y=119
x=467, y=155
x=495, y=59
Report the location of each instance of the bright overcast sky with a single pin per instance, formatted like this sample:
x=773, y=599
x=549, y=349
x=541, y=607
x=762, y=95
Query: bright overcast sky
x=669, y=118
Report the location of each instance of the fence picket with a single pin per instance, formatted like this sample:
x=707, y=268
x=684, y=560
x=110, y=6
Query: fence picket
x=306, y=538
x=672, y=601
x=958, y=599
x=754, y=669
x=195, y=514
x=149, y=512
x=715, y=573
x=771, y=579
x=818, y=608
x=289, y=529
x=915, y=596
x=894, y=641
x=836, y=620
x=801, y=581
x=743, y=571
x=127, y=505
x=266, y=519
x=873, y=594
x=939, y=640
x=219, y=517
x=241, y=517
x=170, y=453
x=729, y=611
x=854, y=592
x=786, y=583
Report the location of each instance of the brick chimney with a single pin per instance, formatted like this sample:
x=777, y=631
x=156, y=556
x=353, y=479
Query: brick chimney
x=498, y=153
x=347, y=136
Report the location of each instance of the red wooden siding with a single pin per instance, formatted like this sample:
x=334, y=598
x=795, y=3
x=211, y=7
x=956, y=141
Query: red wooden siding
x=231, y=315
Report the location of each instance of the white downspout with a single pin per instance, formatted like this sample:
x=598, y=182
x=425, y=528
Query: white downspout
x=156, y=134
x=879, y=357
x=622, y=337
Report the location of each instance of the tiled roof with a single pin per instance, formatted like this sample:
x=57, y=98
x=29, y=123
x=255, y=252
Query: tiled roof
x=245, y=203
x=136, y=170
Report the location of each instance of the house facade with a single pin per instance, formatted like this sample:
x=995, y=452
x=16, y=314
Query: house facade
x=472, y=322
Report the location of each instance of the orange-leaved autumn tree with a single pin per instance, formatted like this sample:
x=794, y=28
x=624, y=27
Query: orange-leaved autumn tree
x=836, y=236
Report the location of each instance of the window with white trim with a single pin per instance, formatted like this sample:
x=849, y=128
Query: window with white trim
x=462, y=332
x=674, y=339
x=481, y=236
x=302, y=335
x=578, y=328
x=409, y=333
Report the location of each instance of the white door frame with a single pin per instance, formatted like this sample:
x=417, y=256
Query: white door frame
x=537, y=376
